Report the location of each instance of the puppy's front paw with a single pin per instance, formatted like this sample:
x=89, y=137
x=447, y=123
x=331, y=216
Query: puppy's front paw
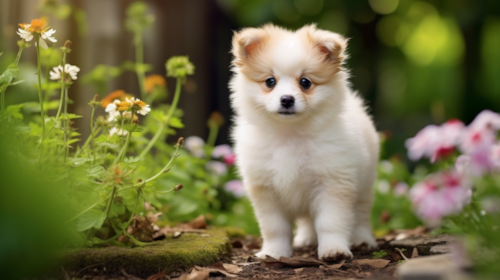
x=363, y=236
x=334, y=253
x=274, y=253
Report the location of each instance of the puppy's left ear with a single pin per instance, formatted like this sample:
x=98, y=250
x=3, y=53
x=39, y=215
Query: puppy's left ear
x=330, y=46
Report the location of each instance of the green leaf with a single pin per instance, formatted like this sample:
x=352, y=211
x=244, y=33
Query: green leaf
x=22, y=128
x=95, y=171
x=70, y=116
x=1, y=53
x=132, y=159
x=117, y=209
x=13, y=110
x=78, y=161
x=91, y=219
x=72, y=141
x=175, y=123
x=9, y=74
x=133, y=127
x=16, y=83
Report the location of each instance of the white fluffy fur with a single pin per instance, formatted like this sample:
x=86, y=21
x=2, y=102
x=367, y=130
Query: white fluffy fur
x=315, y=168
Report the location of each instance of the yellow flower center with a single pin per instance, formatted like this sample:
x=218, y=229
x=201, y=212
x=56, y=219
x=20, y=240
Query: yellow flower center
x=38, y=26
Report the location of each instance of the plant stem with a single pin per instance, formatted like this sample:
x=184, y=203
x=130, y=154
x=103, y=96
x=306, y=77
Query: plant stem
x=176, y=153
x=171, y=111
x=86, y=144
x=92, y=128
x=40, y=94
x=66, y=122
x=212, y=135
x=177, y=94
x=123, y=151
x=63, y=85
x=153, y=140
x=139, y=61
x=110, y=201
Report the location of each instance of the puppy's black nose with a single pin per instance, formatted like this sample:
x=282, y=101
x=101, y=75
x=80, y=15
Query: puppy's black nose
x=287, y=101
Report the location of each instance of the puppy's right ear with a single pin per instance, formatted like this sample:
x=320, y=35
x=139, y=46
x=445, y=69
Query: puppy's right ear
x=247, y=43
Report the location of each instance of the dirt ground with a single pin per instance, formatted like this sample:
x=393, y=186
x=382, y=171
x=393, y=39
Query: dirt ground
x=241, y=264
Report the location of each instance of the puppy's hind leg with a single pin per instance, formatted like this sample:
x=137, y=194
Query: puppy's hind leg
x=275, y=225
x=306, y=234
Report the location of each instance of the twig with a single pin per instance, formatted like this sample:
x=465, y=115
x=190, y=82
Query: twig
x=401, y=253
x=93, y=265
x=65, y=274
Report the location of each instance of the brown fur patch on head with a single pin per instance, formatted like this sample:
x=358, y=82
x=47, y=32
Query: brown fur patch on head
x=328, y=48
x=247, y=43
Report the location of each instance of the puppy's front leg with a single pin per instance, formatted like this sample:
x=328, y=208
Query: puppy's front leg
x=333, y=211
x=275, y=224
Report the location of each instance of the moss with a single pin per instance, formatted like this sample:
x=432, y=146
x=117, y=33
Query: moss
x=169, y=254
x=233, y=232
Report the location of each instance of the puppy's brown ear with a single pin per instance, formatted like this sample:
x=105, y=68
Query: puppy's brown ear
x=330, y=46
x=246, y=43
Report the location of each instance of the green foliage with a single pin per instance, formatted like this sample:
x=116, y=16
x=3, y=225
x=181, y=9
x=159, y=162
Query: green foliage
x=379, y=254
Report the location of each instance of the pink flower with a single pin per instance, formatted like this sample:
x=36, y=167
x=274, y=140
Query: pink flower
x=440, y=195
x=435, y=142
x=401, y=189
x=216, y=167
x=235, y=187
x=480, y=160
x=194, y=145
x=225, y=152
x=230, y=159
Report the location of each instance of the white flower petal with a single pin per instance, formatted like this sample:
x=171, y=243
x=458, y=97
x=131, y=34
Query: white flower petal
x=43, y=44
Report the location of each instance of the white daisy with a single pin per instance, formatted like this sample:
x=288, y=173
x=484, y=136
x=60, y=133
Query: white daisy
x=72, y=70
x=37, y=26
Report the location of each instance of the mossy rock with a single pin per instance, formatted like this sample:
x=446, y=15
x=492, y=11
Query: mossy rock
x=168, y=254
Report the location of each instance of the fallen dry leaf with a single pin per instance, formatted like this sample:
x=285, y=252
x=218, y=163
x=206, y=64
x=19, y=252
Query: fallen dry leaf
x=195, y=274
x=337, y=265
x=217, y=268
x=232, y=268
x=414, y=254
x=157, y=276
x=291, y=262
x=299, y=270
x=377, y=263
x=198, y=223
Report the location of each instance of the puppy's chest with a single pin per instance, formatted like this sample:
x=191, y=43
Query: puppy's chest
x=290, y=163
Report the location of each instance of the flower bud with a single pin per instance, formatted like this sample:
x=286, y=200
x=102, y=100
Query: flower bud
x=180, y=141
x=67, y=46
x=179, y=67
x=216, y=119
x=178, y=187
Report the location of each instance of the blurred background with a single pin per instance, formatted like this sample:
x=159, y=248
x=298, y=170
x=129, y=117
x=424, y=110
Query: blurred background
x=415, y=62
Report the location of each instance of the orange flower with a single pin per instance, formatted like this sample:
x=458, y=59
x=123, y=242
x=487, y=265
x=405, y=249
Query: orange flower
x=117, y=94
x=153, y=81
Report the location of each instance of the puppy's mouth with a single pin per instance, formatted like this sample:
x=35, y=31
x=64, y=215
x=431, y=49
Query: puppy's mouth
x=286, y=112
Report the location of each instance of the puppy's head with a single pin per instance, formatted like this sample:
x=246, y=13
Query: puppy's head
x=288, y=74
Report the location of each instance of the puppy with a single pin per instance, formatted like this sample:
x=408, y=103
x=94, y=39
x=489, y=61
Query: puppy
x=305, y=146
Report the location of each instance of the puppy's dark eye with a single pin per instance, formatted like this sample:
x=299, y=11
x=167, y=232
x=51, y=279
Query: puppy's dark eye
x=305, y=83
x=270, y=82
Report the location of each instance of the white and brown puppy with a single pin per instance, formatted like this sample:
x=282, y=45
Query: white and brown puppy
x=306, y=148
